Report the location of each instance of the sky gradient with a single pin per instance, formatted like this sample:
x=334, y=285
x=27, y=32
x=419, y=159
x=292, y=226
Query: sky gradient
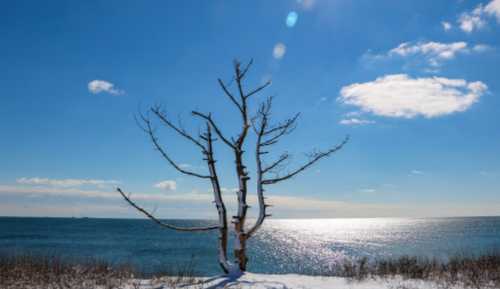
x=414, y=83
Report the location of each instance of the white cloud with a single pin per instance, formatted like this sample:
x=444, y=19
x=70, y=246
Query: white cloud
x=493, y=8
x=229, y=190
x=64, y=182
x=476, y=19
x=430, y=53
x=416, y=172
x=175, y=206
x=355, y=121
x=446, y=25
x=98, y=86
x=434, y=52
x=279, y=50
x=481, y=47
x=167, y=185
x=399, y=95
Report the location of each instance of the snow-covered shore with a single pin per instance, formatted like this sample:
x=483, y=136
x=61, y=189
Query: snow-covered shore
x=293, y=281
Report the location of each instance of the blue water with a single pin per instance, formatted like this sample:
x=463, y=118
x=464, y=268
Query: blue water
x=281, y=246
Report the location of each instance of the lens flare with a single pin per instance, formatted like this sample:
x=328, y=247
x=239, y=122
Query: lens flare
x=279, y=50
x=291, y=19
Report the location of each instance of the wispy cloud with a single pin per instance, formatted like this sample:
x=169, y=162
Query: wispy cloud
x=473, y=20
x=416, y=172
x=167, y=185
x=99, y=86
x=401, y=96
x=174, y=205
x=430, y=53
x=355, y=121
x=65, y=182
x=477, y=18
x=446, y=25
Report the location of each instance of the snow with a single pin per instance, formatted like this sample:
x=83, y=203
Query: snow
x=293, y=281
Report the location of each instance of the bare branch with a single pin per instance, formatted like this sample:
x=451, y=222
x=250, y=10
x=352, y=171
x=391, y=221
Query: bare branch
x=179, y=130
x=216, y=128
x=249, y=64
x=281, y=159
x=285, y=127
x=149, y=130
x=231, y=97
x=314, y=158
x=163, y=224
x=282, y=129
x=258, y=89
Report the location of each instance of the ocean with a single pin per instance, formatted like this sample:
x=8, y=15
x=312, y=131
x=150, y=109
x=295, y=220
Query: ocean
x=307, y=246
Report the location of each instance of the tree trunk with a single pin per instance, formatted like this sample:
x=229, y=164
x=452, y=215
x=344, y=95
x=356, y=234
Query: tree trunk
x=239, y=250
x=219, y=203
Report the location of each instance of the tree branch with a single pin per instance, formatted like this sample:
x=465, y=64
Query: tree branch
x=231, y=97
x=316, y=157
x=163, y=224
x=258, y=89
x=180, y=131
x=148, y=129
x=216, y=128
x=281, y=159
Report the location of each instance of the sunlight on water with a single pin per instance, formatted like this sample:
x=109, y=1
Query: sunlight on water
x=309, y=246
x=319, y=244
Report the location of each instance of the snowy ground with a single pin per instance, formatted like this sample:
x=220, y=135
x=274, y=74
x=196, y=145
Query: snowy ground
x=292, y=281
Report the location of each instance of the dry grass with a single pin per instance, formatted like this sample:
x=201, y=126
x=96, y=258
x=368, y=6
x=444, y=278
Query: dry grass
x=55, y=272
x=469, y=272
x=36, y=272
x=30, y=271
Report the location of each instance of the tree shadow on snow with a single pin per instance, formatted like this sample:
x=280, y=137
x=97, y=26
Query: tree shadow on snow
x=233, y=281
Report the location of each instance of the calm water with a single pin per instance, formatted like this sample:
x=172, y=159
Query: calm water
x=282, y=246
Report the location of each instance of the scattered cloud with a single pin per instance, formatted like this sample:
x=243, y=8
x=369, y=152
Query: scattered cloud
x=81, y=193
x=401, y=96
x=167, y=185
x=429, y=54
x=476, y=19
x=493, y=9
x=98, y=86
x=229, y=190
x=473, y=20
x=435, y=53
x=65, y=182
x=481, y=48
x=355, y=121
x=368, y=191
x=446, y=25
x=279, y=50
x=174, y=205
x=416, y=172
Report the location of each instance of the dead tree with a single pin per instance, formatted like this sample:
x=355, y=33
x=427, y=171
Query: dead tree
x=267, y=135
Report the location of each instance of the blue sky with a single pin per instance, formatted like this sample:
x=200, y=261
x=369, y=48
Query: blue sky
x=414, y=83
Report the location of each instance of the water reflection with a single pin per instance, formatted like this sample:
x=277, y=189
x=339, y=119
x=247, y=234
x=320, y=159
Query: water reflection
x=313, y=245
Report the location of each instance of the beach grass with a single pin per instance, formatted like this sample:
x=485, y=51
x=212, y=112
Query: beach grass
x=37, y=271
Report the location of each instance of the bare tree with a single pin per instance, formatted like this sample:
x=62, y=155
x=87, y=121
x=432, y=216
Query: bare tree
x=267, y=134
